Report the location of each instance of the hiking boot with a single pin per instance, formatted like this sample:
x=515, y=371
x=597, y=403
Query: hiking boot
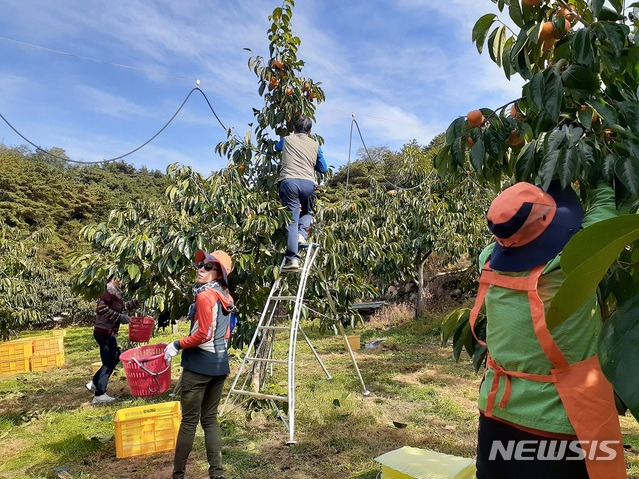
x=104, y=398
x=90, y=386
x=292, y=264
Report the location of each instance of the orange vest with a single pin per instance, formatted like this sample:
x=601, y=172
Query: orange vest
x=585, y=392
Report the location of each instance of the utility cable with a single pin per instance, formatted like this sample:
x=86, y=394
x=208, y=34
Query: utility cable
x=109, y=160
x=348, y=164
x=397, y=187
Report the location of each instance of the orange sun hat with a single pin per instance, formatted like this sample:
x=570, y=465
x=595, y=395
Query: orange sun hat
x=220, y=257
x=532, y=226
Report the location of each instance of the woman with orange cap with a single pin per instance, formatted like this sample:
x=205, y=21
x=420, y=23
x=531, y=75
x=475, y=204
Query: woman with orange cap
x=205, y=362
x=546, y=409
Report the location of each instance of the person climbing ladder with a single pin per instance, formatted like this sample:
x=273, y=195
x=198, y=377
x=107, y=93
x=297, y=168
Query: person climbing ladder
x=301, y=157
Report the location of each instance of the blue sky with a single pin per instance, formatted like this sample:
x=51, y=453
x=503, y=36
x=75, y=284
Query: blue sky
x=405, y=68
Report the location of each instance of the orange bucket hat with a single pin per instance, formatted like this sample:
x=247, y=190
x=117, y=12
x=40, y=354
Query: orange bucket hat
x=218, y=256
x=532, y=226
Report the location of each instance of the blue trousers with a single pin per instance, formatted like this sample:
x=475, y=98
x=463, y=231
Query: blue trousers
x=296, y=193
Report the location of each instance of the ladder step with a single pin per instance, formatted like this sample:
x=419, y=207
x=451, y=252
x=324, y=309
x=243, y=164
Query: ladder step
x=259, y=395
x=276, y=328
x=266, y=360
x=283, y=298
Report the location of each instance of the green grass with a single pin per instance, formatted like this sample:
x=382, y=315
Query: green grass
x=47, y=420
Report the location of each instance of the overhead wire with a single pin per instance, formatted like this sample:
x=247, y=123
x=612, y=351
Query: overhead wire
x=348, y=164
x=369, y=157
x=117, y=158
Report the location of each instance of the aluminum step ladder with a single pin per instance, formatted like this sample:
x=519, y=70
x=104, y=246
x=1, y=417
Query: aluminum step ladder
x=259, y=361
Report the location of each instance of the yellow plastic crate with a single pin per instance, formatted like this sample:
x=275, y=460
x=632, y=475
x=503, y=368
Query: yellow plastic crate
x=15, y=355
x=44, y=362
x=15, y=367
x=46, y=345
x=16, y=349
x=146, y=429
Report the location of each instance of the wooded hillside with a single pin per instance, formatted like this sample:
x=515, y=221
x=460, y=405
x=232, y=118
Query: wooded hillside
x=38, y=191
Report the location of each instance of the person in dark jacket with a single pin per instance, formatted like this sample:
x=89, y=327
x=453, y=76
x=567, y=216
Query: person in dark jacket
x=109, y=315
x=205, y=361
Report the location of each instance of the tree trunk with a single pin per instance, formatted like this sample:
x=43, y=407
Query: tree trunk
x=420, y=303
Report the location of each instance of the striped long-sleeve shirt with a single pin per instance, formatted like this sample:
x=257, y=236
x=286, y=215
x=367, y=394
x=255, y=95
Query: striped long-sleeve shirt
x=108, y=309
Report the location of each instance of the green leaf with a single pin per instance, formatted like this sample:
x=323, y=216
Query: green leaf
x=618, y=351
x=629, y=111
x=553, y=95
x=550, y=165
x=627, y=170
x=585, y=260
x=597, y=5
x=607, y=15
x=568, y=168
x=505, y=61
x=478, y=357
x=526, y=166
x=461, y=337
x=134, y=272
x=616, y=34
x=605, y=112
x=632, y=62
x=577, y=77
x=536, y=88
x=617, y=4
x=608, y=168
x=456, y=152
x=498, y=44
x=454, y=130
x=480, y=30
x=451, y=323
x=582, y=48
x=585, y=118
x=477, y=155
x=586, y=154
x=515, y=13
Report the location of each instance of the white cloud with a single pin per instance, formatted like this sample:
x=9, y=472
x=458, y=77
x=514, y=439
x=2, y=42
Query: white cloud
x=106, y=103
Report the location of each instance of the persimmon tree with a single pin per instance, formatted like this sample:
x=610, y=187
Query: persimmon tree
x=409, y=220
x=236, y=209
x=577, y=121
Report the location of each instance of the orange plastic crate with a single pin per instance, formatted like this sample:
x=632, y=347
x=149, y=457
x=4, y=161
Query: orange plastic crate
x=45, y=345
x=146, y=429
x=44, y=362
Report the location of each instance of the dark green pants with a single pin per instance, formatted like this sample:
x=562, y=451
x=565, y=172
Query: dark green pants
x=199, y=399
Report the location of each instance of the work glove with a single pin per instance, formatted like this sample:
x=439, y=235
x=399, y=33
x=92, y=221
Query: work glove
x=124, y=319
x=132, y=304
x=171, y=350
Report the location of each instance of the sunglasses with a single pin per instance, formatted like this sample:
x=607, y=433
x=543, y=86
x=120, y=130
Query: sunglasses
x=208, y=266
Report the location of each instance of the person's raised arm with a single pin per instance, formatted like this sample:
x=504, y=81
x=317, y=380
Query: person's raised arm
x=320, y=164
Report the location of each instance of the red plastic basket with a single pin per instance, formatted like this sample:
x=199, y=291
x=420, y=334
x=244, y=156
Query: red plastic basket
x=140, y=329
x=147, y=372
